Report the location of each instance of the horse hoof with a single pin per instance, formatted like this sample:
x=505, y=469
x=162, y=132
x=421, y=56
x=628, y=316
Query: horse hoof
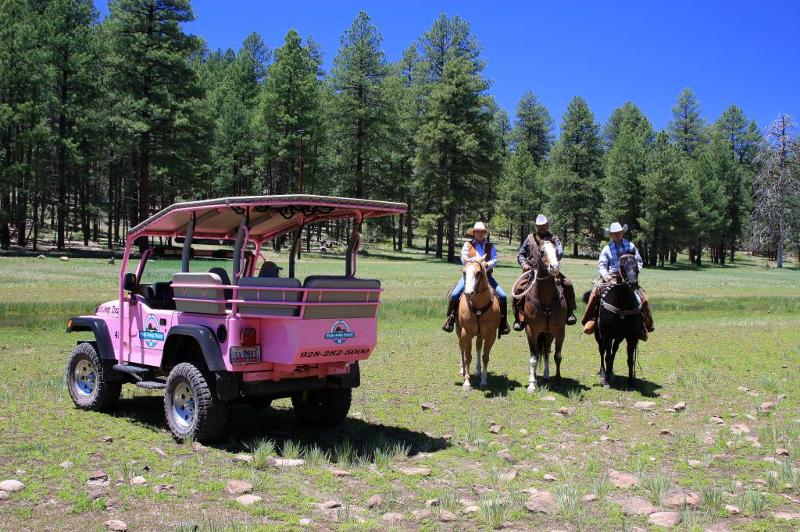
x=606, y=385
x=531, y=388
x=466, y=386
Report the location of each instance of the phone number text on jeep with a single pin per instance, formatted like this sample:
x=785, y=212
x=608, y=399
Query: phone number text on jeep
x=335, y=352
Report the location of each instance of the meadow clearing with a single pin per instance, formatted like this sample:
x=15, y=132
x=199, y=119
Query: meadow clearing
x=417, y=451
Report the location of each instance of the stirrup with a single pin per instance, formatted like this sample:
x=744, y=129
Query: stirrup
x=504, y=329
x=449, y=324
x=571, y=319
x=518, y=326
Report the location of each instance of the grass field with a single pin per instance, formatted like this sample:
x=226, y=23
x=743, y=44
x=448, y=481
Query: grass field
x=727, y=344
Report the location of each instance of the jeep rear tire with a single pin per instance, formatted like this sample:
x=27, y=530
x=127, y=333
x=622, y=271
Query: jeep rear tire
x=324, y=408
x=191, y=409
x=88, y=380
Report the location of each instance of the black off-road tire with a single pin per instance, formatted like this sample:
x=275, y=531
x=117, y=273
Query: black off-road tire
x=207, y=421
x=91, y=388
x=324, y=408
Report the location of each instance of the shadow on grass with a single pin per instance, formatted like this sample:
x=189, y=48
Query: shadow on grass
x=246, y=425
x=565, y=386
x=645, y=387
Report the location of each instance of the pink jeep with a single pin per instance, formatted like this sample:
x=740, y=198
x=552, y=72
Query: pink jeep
x=208, y=338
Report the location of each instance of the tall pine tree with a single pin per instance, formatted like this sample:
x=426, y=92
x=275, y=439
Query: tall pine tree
x=575, y=182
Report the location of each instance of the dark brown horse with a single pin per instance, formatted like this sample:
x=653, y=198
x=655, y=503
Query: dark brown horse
x=620, y=319
x=545, y=312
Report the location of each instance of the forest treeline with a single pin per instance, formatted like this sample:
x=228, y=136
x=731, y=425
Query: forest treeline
x=103, y=123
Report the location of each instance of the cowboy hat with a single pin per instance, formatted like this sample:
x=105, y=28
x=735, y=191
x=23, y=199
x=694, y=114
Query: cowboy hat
x=479, y=226
x=616, y=228
x=541, y=219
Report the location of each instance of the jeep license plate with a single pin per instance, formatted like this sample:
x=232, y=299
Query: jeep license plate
x=245, y=355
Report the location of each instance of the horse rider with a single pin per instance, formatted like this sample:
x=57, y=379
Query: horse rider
x=607, y=267
x=478, y=246
x=525, y=253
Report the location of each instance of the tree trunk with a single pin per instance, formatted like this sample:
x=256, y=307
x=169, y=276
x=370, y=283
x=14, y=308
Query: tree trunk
x=451, y=234
x=144, y=184
x=399, y=234
x=409, y=225
x=439, y=237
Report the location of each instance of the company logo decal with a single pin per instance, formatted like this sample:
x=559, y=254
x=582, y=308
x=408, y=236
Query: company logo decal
x=340, y=332
x=151, y=335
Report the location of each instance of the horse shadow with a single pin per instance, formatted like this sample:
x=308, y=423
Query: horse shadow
x=564, y=386
x=496, y=385
x=246, y=426
x=646, y=388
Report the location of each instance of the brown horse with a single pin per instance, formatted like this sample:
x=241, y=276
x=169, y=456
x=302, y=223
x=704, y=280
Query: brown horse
x=478, y=317
x=545, y=313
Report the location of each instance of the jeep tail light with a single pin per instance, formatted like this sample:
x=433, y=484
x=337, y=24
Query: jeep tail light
x=248, y=337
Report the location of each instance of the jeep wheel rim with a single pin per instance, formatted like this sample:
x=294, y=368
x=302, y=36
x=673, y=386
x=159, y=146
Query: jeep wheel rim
x=85, y=378
x=183, y=404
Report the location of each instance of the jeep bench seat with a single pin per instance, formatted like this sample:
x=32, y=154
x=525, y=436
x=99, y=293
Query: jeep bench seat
x=344, y=310
x=270, y=295
x=207, y=300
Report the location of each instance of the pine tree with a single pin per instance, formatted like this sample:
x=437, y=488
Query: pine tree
x=157, y=93
x=669, y=203
x=635, y=120
x=713, y=168
x=576, y=176
x=360, y=109
x=456, y=147
x=533, y=129
x=288, y=114
x=520, y=192
x=686, y=128
x=625, y=165
x=72, y=51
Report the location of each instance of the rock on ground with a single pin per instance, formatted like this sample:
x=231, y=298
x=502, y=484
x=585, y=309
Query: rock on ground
x=622, y=480
x=786, y=516
x=238, y=487
x=447, y=516
x=289, y=462
x=116, y=524
x=3, y=495
x=678, y=498
x=638, y=506
x=330, y=505
x=541, y=502
x=248, y=499
x=740, y=428
x=733, y=510
x=718, y=527
x=375, y=500
x=11, y=486
x=644, y=405
x=665, y=519
x=138, y=481
x=392, y=517
x=411, y=471
x=421, y=514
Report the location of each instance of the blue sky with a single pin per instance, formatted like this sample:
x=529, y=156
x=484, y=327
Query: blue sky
x=740, y=52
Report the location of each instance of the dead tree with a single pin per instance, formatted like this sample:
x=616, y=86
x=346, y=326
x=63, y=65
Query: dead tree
x=777, y=186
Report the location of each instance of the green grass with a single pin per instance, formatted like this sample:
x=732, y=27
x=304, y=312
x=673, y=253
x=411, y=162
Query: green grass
x=718, y=329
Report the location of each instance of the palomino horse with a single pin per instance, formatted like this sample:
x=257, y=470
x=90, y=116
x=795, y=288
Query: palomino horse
x=545, y=312
x=478, y=317
x=620, y=319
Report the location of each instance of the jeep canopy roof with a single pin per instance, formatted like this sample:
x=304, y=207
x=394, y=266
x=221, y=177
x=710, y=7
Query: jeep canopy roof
x=266, y=216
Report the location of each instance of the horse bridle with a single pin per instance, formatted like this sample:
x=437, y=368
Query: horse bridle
x=611, y=308
x=484, y=274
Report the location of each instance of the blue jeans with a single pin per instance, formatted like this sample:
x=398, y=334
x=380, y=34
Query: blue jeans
x=456, y=294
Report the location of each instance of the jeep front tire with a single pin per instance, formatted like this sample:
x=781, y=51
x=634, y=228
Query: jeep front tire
x=191, y=409
x=88, y=380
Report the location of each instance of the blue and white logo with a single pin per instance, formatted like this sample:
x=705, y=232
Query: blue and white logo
x=151, y=335
x=340, y=332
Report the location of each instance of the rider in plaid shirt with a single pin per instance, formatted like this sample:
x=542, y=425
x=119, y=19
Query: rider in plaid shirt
x=607, y=267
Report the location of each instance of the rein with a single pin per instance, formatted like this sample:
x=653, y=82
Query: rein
x=479, y=311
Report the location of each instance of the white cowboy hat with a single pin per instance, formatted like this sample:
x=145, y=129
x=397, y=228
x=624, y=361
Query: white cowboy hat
x=479, y=226
x=541, y=219
x=616, y=228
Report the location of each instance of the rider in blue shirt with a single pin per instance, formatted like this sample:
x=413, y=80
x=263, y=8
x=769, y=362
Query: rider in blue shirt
x=607, y=267
x=479, y=245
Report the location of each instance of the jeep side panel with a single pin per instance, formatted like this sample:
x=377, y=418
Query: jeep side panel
x=204, y=337
x=102, y=338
